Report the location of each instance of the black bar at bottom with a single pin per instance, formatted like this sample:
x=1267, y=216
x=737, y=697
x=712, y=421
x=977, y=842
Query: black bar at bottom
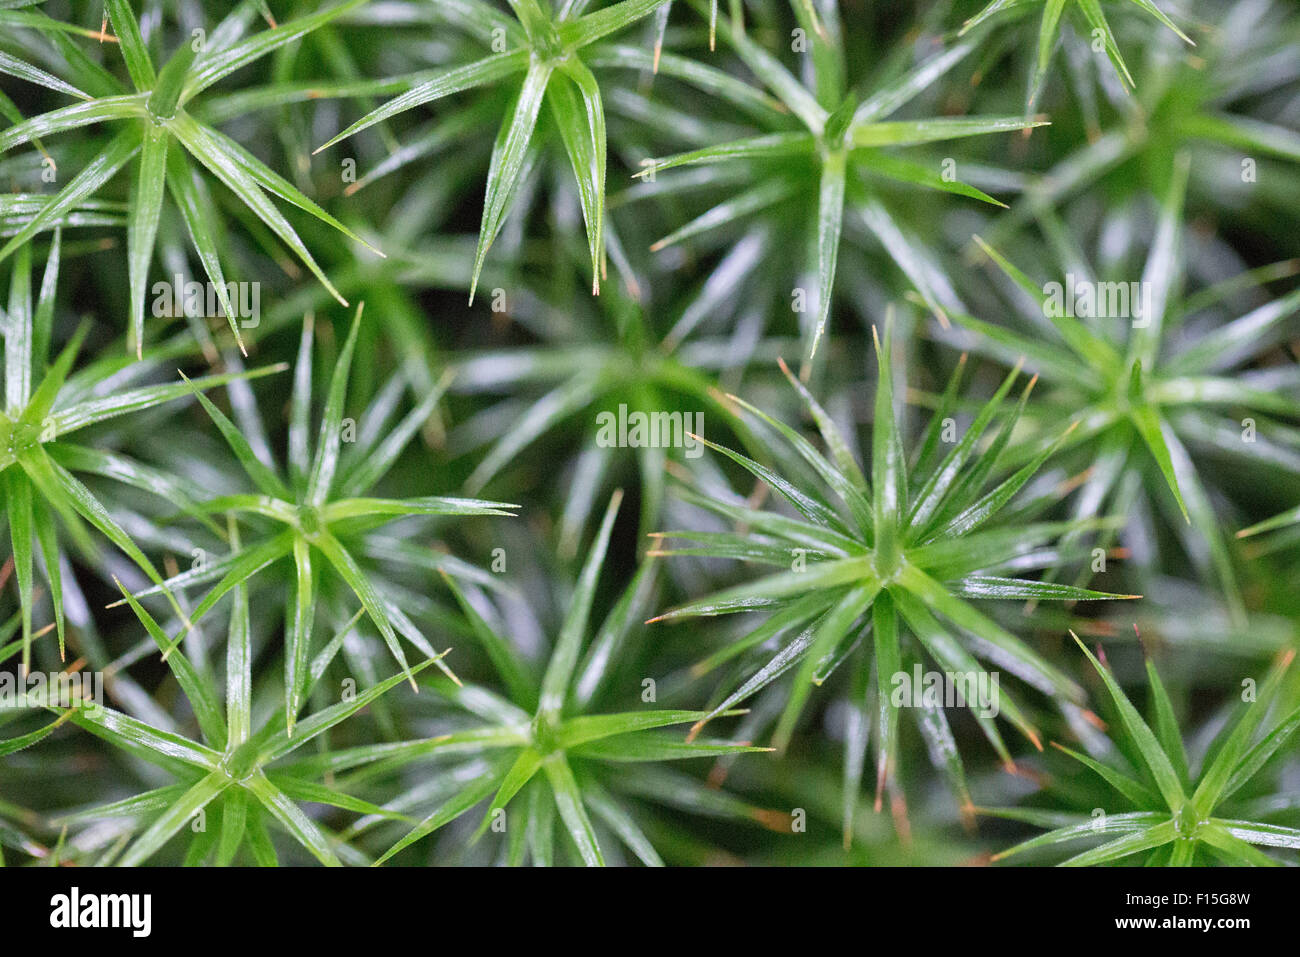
x=312, y=907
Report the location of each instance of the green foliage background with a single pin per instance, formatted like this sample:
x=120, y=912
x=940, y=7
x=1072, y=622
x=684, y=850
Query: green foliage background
x=827, y=229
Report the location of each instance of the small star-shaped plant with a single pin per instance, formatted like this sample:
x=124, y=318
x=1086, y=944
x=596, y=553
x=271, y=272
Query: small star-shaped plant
x=1143, y=387
x=819, y=159
x=1176, y=820
x=1091, y=12
x=44, y=501
x=159, y=129
x=901, y=552
x=543, y=740
x=548, y=50
x=230, y=771
x=317, y=507
x=1215, y=107
x=602, y=355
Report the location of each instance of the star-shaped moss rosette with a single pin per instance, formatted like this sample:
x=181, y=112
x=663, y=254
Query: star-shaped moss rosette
x=1170, y=816
x=549, y=49
x=593, y=365
x=899, y=553
x=1218, y=107
x=45, y=504
x=545, y=748
x=1148, y=388
x=318, y=507
x=161, y=132
x=455, y=144
x=1089, y=13
x=820, y=157
x=232, y=773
